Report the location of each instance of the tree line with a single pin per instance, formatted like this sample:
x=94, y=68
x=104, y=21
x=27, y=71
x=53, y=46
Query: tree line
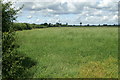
x=28, y=26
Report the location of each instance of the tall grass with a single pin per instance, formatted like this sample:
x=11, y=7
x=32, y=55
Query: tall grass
x=72, y=52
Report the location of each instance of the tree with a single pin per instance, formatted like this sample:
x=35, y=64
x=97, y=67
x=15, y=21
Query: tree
x=14, y=65
x=88, y=25
x=45, y=24
x=104, y=24
x=66, y=24
x=8, y=16
x=80, y=23
x=11, y=62
x=57, y=24
x=28, y=26
x=0, y=16
x=49, y=25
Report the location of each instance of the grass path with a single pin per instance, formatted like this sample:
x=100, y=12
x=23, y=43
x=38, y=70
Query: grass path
x=71, y=52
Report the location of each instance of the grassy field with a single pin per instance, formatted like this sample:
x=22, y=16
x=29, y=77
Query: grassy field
x=65, y=52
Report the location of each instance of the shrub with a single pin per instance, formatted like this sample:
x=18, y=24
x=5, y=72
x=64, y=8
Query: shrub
x=18, y=26
x=11, y=61
x=28, y=26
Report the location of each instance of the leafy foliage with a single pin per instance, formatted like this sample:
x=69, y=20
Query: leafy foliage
x=26, y=26
x=8, y=16
x=13, y=64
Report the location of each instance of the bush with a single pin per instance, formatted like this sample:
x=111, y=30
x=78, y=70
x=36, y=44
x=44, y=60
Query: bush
x=28, y=26
x=14, y=65
x=11, y=60
x=17, y=26
x=22, y=26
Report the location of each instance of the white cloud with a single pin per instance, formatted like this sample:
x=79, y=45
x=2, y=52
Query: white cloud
x=107, y=3
x=33, y=7
x=29, y=17
x=92, y=11
x=52, y=0
x=32, y=12
x=105, y=18
x=49, y=10
x=115, y=17
x=99, y=12
x=37, y=20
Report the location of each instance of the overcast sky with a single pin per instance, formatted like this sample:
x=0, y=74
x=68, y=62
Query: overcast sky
x=68, y=11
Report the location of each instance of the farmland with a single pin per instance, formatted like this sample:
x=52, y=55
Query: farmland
x=71, y=52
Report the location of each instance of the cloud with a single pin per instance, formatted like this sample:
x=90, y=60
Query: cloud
x=37, y=20
x=33, y=7
x=29, y=17
x=92, y=11
x=68, y=7
x=32, y=12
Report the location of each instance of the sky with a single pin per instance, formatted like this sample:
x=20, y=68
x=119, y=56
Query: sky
x=68, y=11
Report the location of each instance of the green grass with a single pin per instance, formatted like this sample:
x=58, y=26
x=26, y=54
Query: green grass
x=65, y=52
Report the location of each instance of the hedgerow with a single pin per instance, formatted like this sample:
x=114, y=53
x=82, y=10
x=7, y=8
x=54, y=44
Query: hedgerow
x=13, y=63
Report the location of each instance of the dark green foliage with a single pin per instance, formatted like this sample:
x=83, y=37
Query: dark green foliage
x=18, y=26
x=27, y=26
x=22, y=26
x=88, y=25
x=45, y=24
x=13, y=64
x=8, y=16
x=8, y=41
x=80, y=23
x=9, y=55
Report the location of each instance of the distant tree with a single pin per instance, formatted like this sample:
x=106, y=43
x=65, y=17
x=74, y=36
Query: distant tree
x=34, y=25
x=57, y=24
x=114, y=25
x=66, y=24
x=118, y=24
x=49, y=25
x=88, y=25
x=60, y=24
x=104, y=24
x=45, y=24
x=80, y=23
x=28, y=26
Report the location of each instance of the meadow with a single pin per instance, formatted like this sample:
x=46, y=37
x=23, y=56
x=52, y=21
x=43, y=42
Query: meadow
x=71, y=52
